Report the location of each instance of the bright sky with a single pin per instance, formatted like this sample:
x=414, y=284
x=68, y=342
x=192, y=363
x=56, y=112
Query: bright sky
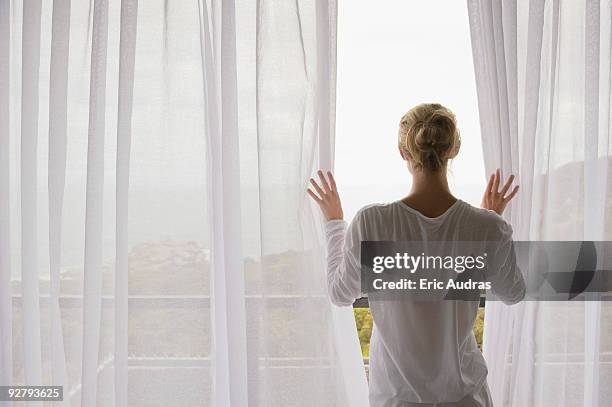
x=393, y=55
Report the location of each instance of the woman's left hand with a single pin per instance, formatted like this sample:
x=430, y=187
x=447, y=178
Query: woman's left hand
x=327, y=196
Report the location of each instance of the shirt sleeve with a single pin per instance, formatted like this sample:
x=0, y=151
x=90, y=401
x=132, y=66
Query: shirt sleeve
x=507, y=282
x=343, y=261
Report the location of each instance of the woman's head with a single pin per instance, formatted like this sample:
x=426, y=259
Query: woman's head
x=428, y=137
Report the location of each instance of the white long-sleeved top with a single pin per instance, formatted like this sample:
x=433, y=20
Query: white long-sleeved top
x=420, y=352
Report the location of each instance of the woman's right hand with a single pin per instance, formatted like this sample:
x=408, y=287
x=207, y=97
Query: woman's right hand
x=496, y=200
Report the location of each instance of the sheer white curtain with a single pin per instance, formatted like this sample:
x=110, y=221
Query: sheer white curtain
x=156, y=244
x=544, y=88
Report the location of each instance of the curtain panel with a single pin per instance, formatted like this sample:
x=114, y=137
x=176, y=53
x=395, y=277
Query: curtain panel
x=544, y=89
x=156, y=244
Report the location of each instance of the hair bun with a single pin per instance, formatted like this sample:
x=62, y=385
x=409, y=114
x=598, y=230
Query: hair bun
x=428, y=135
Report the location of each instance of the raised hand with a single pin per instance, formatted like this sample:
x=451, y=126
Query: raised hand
x=493, y=198
x=326, y=196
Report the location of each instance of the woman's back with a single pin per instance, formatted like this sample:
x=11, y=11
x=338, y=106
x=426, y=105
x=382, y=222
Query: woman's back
x=425, y=351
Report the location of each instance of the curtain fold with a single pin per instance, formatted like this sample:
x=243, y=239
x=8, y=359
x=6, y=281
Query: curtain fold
x=6, y=329
x=548, y=74
x=343, y=320
x=58, y=116
x=157, y=246
x=29, y=225
x=127, y=55
x=94, y=216
x=227, y=273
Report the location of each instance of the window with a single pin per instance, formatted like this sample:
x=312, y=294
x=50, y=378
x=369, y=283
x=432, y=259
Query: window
x=391, y=57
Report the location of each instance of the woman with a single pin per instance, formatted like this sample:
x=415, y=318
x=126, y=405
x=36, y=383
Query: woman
x=422, y=353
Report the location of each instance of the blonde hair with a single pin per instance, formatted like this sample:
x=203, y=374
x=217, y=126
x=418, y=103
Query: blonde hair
x=428, y=135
